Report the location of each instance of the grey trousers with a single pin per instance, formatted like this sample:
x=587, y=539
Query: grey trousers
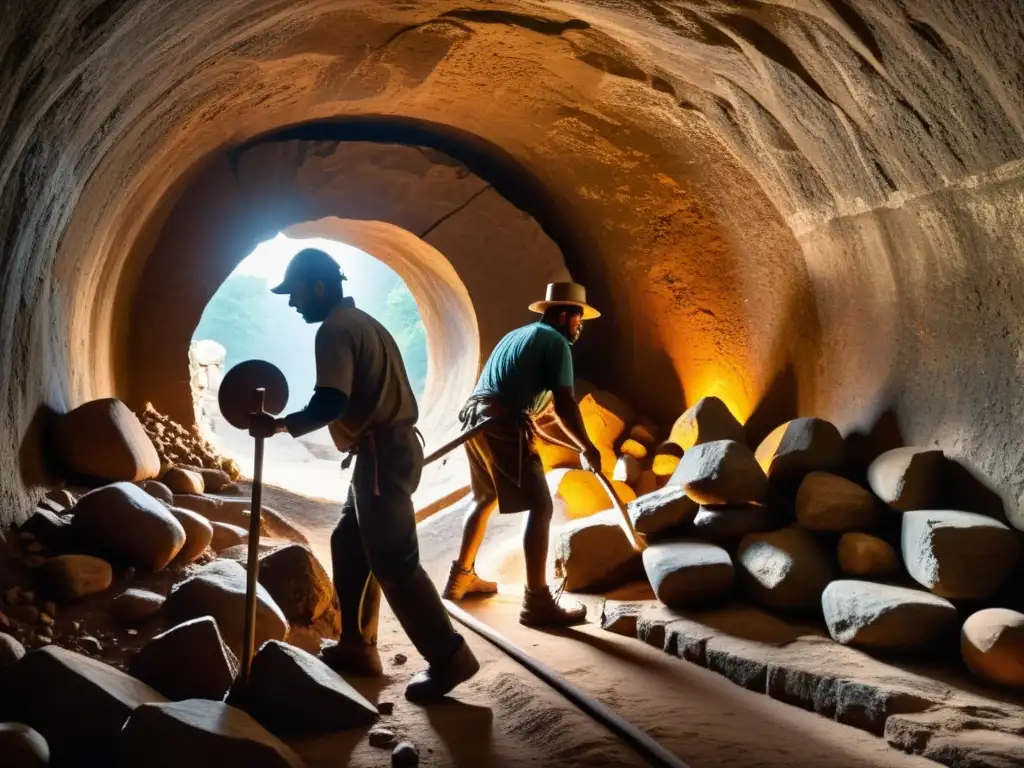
x=374, y=548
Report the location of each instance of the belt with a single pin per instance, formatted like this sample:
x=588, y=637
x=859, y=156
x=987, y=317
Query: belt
x=367, y=445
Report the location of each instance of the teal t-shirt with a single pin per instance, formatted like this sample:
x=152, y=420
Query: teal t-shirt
x=526, y=365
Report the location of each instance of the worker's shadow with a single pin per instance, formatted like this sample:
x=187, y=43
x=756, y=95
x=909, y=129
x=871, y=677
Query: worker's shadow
x=465, y=730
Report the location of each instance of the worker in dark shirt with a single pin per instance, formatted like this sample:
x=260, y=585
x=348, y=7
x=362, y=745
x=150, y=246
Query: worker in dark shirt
x=528, y=366
x=363, y=397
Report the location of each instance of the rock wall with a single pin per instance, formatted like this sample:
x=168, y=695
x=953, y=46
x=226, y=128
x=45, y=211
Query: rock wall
x=801, y=206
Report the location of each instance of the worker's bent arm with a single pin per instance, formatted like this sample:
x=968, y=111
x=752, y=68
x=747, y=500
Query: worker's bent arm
x=568, y=412
x=326, y=405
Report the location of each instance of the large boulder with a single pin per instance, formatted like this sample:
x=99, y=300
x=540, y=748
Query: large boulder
x=861, y=554
x=78, y=704
x=122, y=522
x=793, y=450
x=992, y=644
x=198, y=534
x=23, y=747
x=727, y=525
x=181, y=480
x=864, y=613
x=578, y=493
x=721, y=472
x=908, y=478
x=214, y=734
x=705, y=422
x=827, y=502
x=594, y=553
x=685, y=572
x=218, y=590
x=301, y=587
x=291, y=690
x=661, y=510
x=70, y=577
x=958, y=555
x=785, y=569
x=103, y=439
x=189, y=661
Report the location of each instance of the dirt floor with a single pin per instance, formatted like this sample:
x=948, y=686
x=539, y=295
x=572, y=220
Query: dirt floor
x=505, y=716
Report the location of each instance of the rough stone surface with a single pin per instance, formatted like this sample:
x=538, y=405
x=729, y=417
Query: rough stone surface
x=992, y=644
x=218, y=590
x=123, y=522
x=181, y=480
x=70, y=577
x=158, y=491
x=707, y=421
x=301, y=587
x=198, y=534
x=11, y=651
x=23, y=747
x=620, y=616
x=727, y=525
x=908, y=478
x=830, y=503
x=798, y=447
x=189, y=661
x=405, y=755
x=217, y=735
x=293, y=691
x=862, y=613
x=686, y=572
x=135, y=605
x=103, y=439
x=785, y=569
x=78, y=704
x=594, y=553
x=578, y=493
x=861, y=554
x=958, y=555
x=721, y=472
x=661, y=510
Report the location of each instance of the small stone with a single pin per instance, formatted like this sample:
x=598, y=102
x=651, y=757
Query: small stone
x=795, y=449
x=27, y=613
x=46, y=631
x=861, y=554
x=134, y=605
x=786, y=569
x=382, y=738
x=132, y=632
x=46, y=619
x=76, y=625
x=50, y=607
x=400, y=659
x=705, y=422
x=830, y=503
x=71, y=577
x=158, y=491
x=386, y=707
x=992, y=644
x=633, y=448
x=405, y=755
x=661, y=510
x=181, y=480
x=198, y=534
x=226, y=535
x=908, y=478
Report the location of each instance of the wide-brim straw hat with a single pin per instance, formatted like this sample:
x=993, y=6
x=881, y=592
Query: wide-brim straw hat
x=559, y=294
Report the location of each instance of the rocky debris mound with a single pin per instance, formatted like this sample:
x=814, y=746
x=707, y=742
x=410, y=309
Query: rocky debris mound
x=721, y=472
x=158, y=491
x=577, y=493
x=992, y=644
x=685, y=572
x=179, y=446
x=795, y=449
x=198, y=534
x=181, y=480
x=957, y=555
x=124, y=523
x=908, y=478
x=23, y=747
x=103, y=439
x=216, y=734
x=785, y=569
x=78, y=704
x=189, y=661
x=830, y=503
x=708, y=421
x=727, y=525
x=70, y=577
x=218, y=590
x=135, y=605
x=661, y=510
x=863, y=613
x=594, y=553
x=861, y=554
x=292, y=691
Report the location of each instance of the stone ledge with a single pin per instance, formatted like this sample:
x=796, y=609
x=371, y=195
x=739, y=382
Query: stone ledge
x=937, y=712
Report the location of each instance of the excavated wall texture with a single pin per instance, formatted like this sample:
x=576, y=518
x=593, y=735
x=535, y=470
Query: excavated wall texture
x=802, y=206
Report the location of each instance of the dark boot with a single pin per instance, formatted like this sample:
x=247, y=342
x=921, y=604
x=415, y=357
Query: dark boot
x=540, y=609
x=439, y=679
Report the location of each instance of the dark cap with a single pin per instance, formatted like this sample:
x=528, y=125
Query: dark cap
x=310, y=264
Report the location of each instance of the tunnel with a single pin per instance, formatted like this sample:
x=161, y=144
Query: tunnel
x=801, y=208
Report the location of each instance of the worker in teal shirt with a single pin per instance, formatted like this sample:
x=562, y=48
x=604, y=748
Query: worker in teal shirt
x=528, y=367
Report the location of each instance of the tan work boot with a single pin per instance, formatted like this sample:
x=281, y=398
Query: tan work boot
x=540, y=609
x=353, y=658
x=462, y=582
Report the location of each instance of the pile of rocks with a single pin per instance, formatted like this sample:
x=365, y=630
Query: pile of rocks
x=176, y=445
x=784, y=526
